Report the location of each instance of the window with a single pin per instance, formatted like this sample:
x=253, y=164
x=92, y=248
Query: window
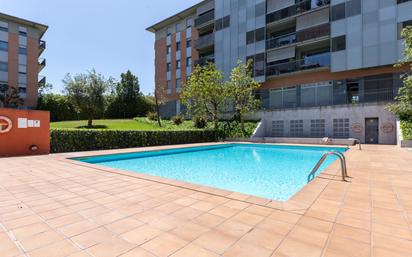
x=226, y=21
x=178, y=27
x=22, y=31
x=403, y=1
x=296, y=128
x=168, y=49
x=168, y=67
x=178, y=85
x=168, y=87
x=255, y=36
x=222, y=23
x=4, y=66
x=341, y=128
x=353, y=7
x=338, y=43
x=189, y=23
x=338, y=12
x=188, y=43
x=278, y=127
x=317, y=128
x=260, y=34
x=259, y=65
x=401, y=26
x=23, y=50
x=178, y=64
x=4, y=28
x=168, y=31
x=218, y=24
x=178, y=46
x=189, y=62
x=250, y=37
x=4, y=46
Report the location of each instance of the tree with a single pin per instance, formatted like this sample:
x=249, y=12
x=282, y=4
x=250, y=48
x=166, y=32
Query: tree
x=403, y=104
x=241, y=87
x=59, y=106
x=9, y=97
x=127, y=101
x=86, y=92
x=159, y=100
x=204, y=93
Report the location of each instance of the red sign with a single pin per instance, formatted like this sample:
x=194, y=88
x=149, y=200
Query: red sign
x=5, y=124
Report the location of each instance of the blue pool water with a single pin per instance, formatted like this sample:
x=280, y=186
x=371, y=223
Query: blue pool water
x=269, y=171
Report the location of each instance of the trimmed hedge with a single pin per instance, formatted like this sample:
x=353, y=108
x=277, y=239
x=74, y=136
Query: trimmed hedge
x=406, y=129
x=76, y=140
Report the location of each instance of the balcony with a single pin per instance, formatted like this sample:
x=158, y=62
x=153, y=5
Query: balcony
x=313, y=33
x=283, y=40
x=42, y=80
x=205, y=60
x=205, y=19
x=205, y=41
x=296, y=9
x=42, y=64
x=308, y=63
x=42, y=46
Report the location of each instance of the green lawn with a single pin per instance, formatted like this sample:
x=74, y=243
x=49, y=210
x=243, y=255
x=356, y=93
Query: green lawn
x=137, y=124
x=229, y=129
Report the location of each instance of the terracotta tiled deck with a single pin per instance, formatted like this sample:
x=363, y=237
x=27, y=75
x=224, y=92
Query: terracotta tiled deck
x=51, y=206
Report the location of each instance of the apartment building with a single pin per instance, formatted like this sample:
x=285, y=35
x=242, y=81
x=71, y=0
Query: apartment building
x=326, y=67
x=21, y=46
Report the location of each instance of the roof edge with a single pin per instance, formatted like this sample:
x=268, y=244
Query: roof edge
x=174, y=18
x=16, y=19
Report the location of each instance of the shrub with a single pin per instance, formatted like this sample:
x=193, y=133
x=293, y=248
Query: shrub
x=152, y=116
x=199, y=122
x=72, y=140
x=406, y=129
x=178, y=120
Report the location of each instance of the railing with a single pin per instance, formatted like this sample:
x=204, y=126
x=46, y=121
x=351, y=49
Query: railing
x=298, y=8
x=42, y=80
x=205, y=41
x=205, y=60
x=205, y=18
x=42, y=44
x=342, y=158
x=311, y=62
x=42, y=62
x=281, y=41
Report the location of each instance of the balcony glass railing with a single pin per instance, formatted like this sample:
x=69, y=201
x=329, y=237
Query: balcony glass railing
x=281, y=41
x=205, y=41
x=205, y=60
x=204, y=18
x=310, y=62
x=298, y=8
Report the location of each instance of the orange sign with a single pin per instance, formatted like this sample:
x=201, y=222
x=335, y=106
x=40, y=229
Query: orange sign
x=5, y=124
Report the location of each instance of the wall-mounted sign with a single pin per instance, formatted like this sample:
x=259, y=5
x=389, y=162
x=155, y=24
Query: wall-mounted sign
x=5, y=124
x=357, y=128
x=388, y=128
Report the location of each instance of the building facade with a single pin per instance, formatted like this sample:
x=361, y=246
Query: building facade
x=326, y=67
x=21, y=46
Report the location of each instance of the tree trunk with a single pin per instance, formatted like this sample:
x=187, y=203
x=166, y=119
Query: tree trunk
x=158, y=111
x=90, y=121
x=242, y=124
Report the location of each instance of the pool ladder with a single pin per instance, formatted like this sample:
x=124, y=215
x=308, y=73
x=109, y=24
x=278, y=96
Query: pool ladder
x=342, y=159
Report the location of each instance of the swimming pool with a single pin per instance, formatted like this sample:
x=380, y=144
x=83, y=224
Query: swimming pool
x=275, y=172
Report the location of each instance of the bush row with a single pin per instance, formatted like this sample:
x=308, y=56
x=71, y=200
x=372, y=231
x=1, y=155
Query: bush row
x=72, y=140
x=406, y=129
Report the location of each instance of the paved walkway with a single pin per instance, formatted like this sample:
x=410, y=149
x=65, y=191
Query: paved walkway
x=53, y=207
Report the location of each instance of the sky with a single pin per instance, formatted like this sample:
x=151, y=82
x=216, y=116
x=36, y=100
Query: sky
x=107, y=35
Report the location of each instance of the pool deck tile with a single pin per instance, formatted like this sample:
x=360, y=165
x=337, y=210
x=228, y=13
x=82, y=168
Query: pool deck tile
x=54, y=206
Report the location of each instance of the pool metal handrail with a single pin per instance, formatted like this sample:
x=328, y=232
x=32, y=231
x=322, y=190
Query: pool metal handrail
x=359, y=143
x=343, y=167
